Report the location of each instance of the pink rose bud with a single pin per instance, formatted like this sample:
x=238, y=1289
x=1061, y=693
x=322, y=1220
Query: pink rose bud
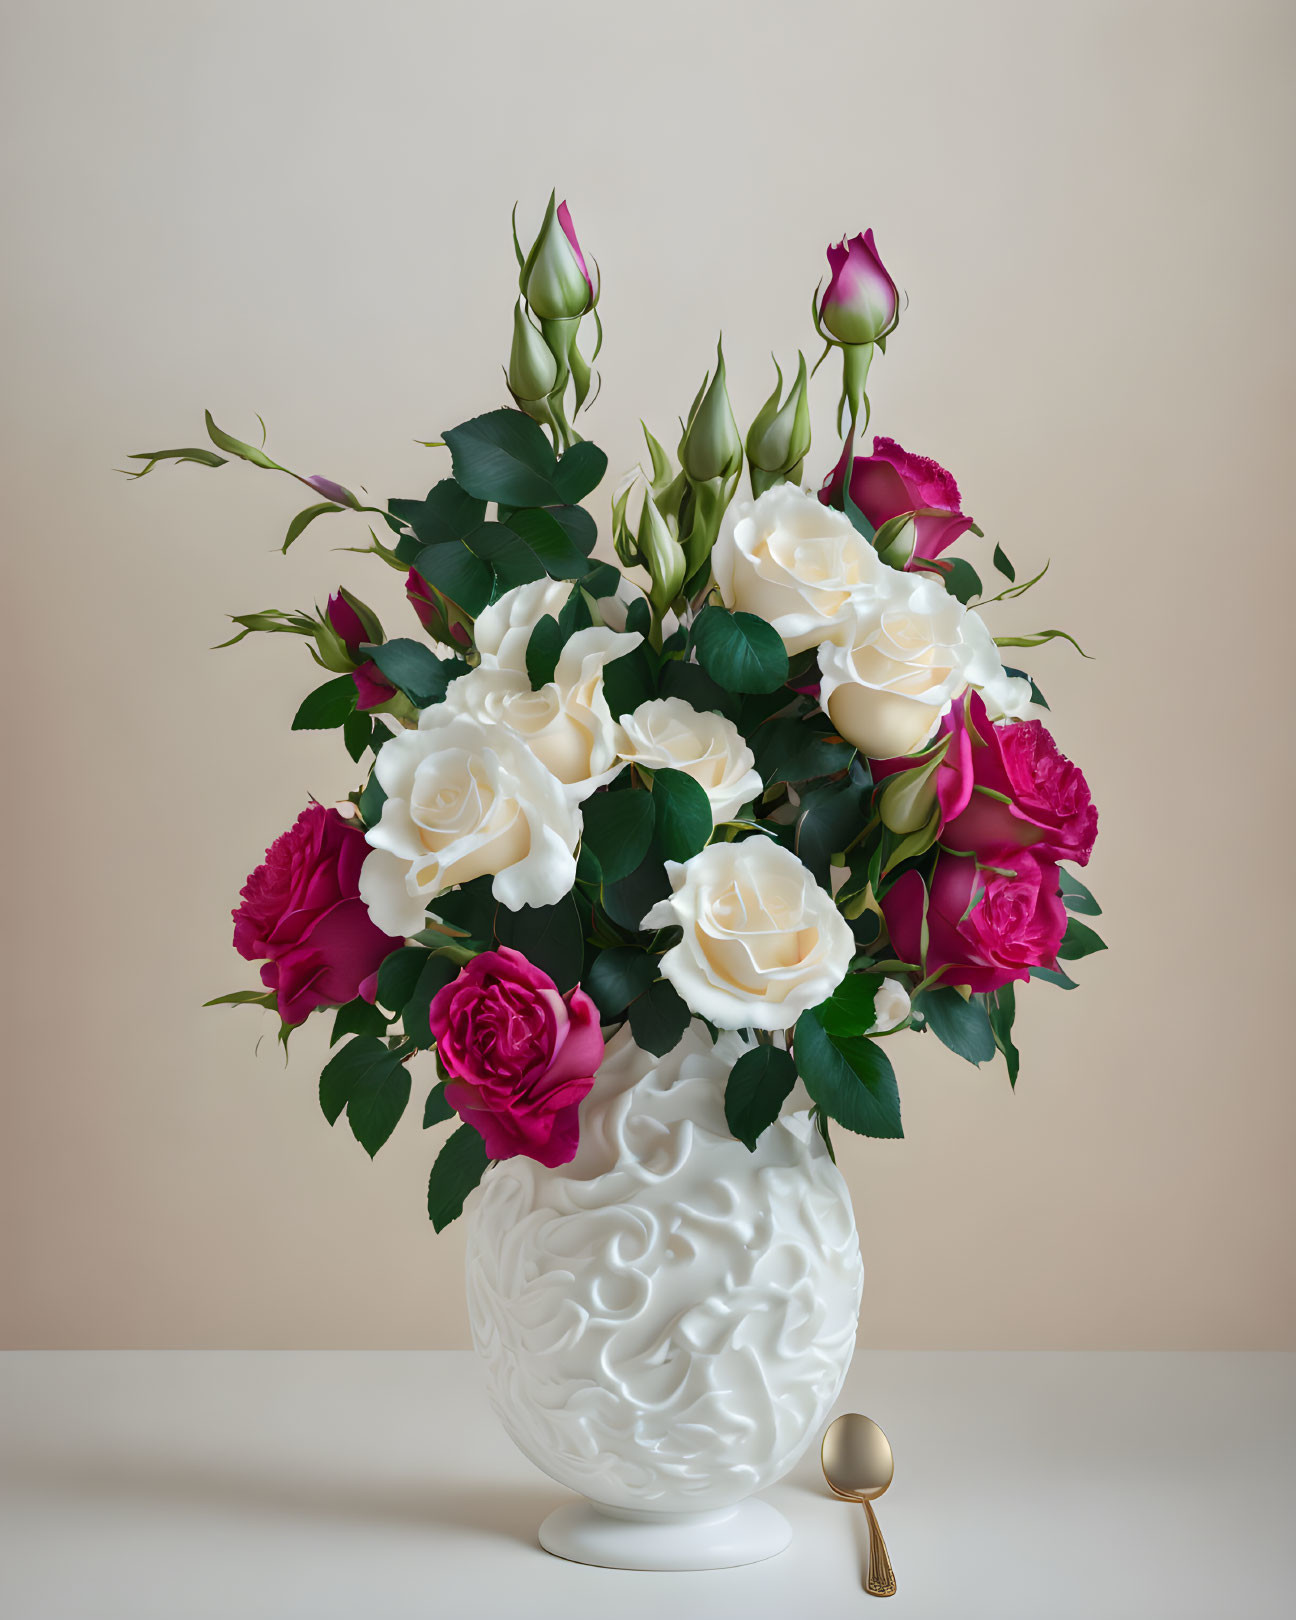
x=520, y=1058
x=861, y=304
x=986, y=928
x=354, y=624
x=443, y=619
x=892, y=483
x=348, y=624
x=332, y=491
x=555, y=280
x=302, y=913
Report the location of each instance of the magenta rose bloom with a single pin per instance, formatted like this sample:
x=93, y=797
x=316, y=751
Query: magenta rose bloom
x=986, y=928
x=373, y=689
x=861, y=304
x=302, y=912
x=519, y=1057
x=1048, y=805
x=893, y=482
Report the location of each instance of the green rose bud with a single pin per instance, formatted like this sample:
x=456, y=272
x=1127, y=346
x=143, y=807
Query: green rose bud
x=661, y=554
x=532, y=369
x=712, y=446
x=780, y=436
x=909, y=797
x=554, y=280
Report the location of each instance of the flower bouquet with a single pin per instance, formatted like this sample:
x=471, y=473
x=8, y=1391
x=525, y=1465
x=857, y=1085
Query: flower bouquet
x=646, y=868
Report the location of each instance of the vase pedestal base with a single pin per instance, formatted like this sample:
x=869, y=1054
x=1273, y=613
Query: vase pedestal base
x=617, y=1539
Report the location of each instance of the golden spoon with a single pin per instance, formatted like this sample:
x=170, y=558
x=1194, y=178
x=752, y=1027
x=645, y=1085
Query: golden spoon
x=858, y=1465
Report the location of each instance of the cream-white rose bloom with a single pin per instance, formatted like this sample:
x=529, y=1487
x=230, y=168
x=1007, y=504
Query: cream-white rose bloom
x=465, y=798
x=502, y=630
x=762, y=941
x=796, y=563
x=903, y=658
x=567, y=722
x=668, y=733
x=891, y=1007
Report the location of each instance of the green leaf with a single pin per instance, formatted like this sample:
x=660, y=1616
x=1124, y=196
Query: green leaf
x=1079, y=940
x=1003, y=565
x=550, y=937
x=378, y=1094
x=961, y=580
x=830, y=817
x=1053, y=976
x=797, y=749
x=510, y=560
x=453, y=570
x=447, y=514
x=757, y=1088
x=618, y=830
x=358, y=1017
x=688, y=681
x=236, y=447
x=399, y=975
x=575, y=614
x=850, y=1010
x=961, y=1025
x=1075, y=897
x=602, y=580
x=617, y=976
x=436, y=1108
x=849, y=1077
x=658, y=1018
x=327, y=706
x=683, y=814
x=470, y=908
x=554, y=550
x=459, y=1166
x=357, y=734
x=630, y=899
x=505, y=457
x=543, y=651
x=307, y=517
x=203, y=457
x=415, y=669
x=628, y=682
x=342, y=1076
x=579, y=472
x=245, y=998
x=1002, y=1008
x=371, y=801
x=579, y=527
x=437, y=972
x=739, y=651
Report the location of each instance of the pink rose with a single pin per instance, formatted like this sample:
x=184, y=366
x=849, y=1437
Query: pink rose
x=1048, y=804
x=893, y=482
x=861, y=304
x=373, y=689
x=986, y=928
x=520, y=1057
x=302, y=910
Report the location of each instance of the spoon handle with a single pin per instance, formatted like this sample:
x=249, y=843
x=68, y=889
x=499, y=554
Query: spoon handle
x=881, y=1577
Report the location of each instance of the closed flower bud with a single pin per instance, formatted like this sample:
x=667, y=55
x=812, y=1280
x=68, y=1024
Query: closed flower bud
x=661, y=554
x=532, y=370
x=780, y=436
x=712, y=446
x=554, y=280
x=861, y=304
x=443, y=619
x=353, y=622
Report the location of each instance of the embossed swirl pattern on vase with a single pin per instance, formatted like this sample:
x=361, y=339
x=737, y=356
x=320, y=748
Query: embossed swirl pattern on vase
x=666, y=1321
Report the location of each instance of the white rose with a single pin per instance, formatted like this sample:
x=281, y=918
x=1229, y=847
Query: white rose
x=890, y=1008
x=465, y=798
x=668, y=733
x=762, y=941
x=794, y=562
x=902, y=659
x=503, y=629
x=566, y=723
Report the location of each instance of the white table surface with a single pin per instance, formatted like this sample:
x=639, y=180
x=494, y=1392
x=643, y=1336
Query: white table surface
x=374, y=1485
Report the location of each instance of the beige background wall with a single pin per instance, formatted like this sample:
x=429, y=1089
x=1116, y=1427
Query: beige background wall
x=302, y=210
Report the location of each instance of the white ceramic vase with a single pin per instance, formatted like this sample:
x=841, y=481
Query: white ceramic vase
x=665, y=1322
